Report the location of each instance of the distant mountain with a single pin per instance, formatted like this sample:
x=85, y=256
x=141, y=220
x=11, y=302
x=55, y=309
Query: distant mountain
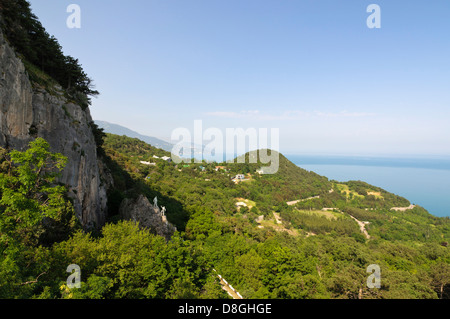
x=121, y=130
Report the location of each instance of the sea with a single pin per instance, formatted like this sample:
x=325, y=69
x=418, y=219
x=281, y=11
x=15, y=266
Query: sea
x=423, y=181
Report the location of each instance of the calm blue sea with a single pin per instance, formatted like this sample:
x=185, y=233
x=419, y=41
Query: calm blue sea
x=424, y=182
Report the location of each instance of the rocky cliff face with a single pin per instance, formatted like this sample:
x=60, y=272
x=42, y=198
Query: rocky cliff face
x=147, y=215
x=27, y=112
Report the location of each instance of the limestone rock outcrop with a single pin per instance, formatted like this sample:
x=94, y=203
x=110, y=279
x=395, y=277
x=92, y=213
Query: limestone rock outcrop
x=147, y=215
x=27, y=112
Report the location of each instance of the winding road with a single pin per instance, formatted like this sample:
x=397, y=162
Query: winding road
x=362, y=225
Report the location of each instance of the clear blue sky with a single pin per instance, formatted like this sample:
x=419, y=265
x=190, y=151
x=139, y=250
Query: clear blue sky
x=311, y=68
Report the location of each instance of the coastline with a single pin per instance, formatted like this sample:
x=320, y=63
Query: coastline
x=421, y=184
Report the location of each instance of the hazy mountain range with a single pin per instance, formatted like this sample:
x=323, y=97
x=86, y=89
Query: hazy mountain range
x=121, y=130
x=156, y=142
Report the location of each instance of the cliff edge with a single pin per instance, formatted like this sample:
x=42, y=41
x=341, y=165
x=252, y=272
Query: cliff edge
x=28, y=111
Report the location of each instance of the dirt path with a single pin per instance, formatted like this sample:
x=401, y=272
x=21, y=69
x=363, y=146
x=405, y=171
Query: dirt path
x=402, y=209
x=301, y=200
x=277, y=218
x=304, y=200
x=277, y=225
x=362, y=227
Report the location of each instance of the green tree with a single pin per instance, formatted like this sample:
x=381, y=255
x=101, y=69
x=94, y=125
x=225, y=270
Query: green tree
x=42, y=54
x=33, y=211
x=440, y=275
x=29, y=194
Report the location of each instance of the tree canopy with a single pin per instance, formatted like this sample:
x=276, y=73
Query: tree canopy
x=42, y=54
x=307, y=253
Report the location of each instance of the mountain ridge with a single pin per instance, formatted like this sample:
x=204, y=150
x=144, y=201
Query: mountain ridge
x=122, y=130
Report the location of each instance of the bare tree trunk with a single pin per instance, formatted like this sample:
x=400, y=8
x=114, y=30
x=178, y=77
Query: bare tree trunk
x=32, y=282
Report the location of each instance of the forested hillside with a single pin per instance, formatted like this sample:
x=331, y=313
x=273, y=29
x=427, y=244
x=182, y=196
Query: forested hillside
x=290, y=235
x=263, y=246
x=270, y=249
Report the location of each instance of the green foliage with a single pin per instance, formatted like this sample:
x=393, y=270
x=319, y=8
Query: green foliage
x=326, y=258
x=128, y=262
x=99, y=135
x=29, y=194
x=305, y=255
x=262, y=263
x=34, y=211
x=320, y=224
x=42, y=54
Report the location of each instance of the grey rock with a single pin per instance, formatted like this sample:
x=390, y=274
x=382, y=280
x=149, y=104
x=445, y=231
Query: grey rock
x=146, y=215
x=27, y=112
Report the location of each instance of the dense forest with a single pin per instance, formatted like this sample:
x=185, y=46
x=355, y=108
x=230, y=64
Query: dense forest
x=308, y=253
x=313, y=253
x=290, y=235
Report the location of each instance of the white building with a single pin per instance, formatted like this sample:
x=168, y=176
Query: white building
x=148, y=163
x=238, y=178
